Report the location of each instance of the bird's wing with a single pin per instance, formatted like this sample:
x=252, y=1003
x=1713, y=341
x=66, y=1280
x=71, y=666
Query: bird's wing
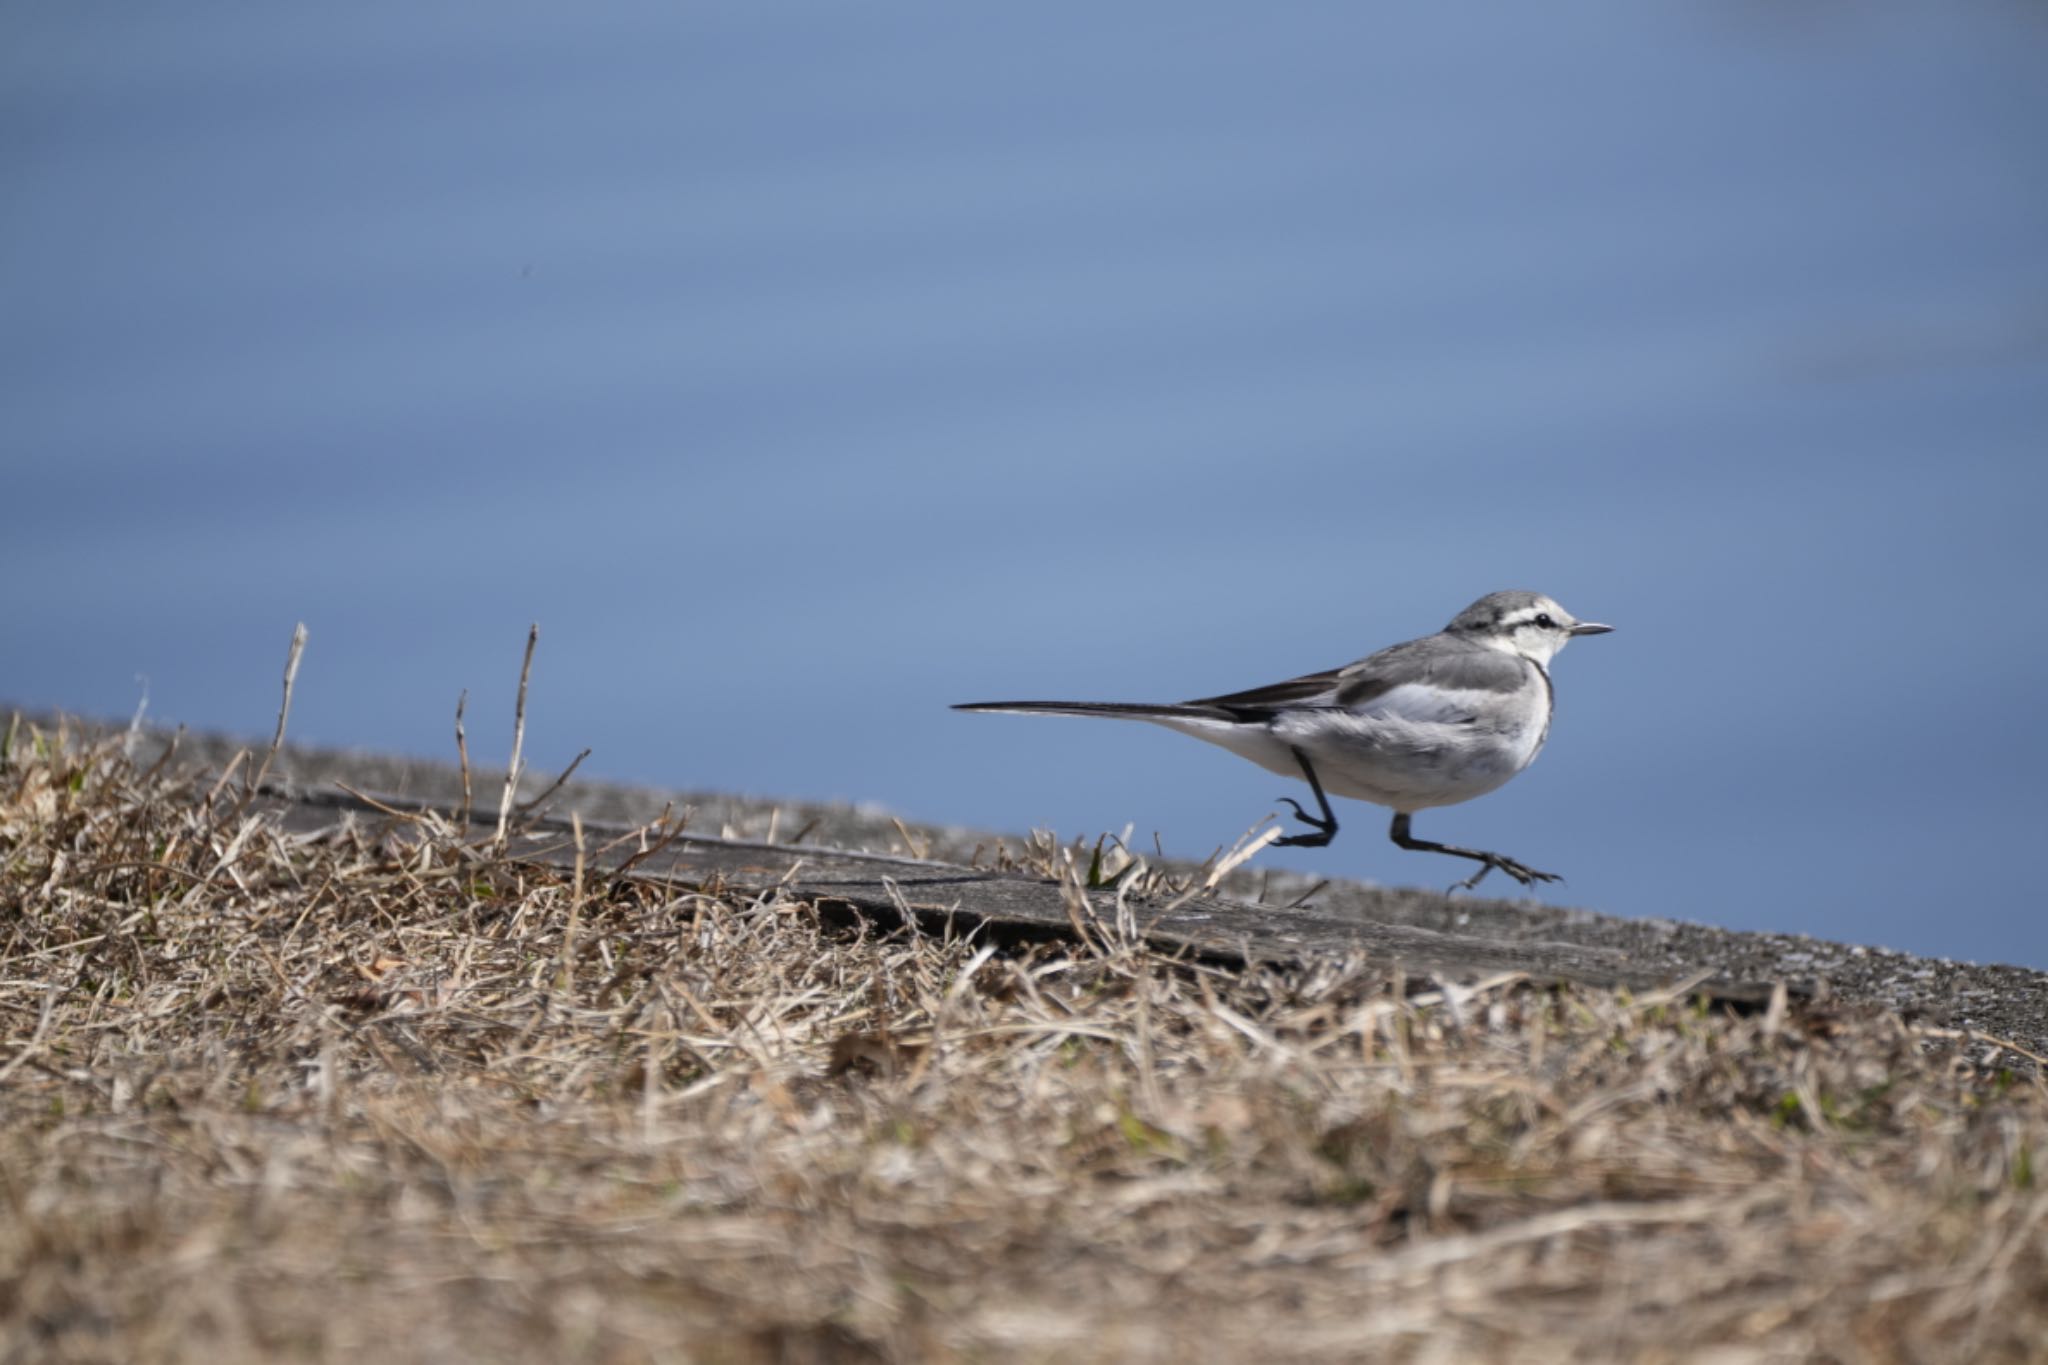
x=1427, y=679
x=1403, y=677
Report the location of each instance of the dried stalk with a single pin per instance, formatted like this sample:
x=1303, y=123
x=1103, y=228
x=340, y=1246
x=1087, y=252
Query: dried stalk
x=512, y=770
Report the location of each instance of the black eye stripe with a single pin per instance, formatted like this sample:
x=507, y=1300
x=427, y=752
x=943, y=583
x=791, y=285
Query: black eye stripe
x=1508, y=625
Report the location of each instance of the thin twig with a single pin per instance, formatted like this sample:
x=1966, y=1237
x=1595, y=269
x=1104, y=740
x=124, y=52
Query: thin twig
x=284, y=711
x=518, y=734
x=226, y=775
x=528, y=807
x=565, y=978
x=1247, y=848
x=1303, y=898
x=410, y=817
x=134, y=731
x=132, y=865
x=910, y=843
x=669, y=834
x=462, y=752
x=163, y=759
x=1970, y=1035
x=51, y=994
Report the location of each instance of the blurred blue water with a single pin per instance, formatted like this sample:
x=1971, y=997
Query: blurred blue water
x=804, y=368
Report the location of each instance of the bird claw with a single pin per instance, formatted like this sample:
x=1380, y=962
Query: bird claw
x=1325, y=830
x=1521, y=872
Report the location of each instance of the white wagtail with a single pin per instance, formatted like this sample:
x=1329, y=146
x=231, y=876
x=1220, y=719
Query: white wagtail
x=1428, y=723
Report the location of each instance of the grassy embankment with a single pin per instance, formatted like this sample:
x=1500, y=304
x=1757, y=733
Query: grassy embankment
x=270, y=1099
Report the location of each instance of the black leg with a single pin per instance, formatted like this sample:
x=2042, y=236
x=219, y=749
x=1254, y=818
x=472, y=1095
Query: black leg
x=1325, y=828
x=1521, y=872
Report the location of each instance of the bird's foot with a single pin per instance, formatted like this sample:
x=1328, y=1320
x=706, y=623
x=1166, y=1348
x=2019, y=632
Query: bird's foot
x=1521, y=872
x=1324, y=830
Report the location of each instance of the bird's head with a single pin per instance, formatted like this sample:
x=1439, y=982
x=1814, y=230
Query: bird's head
x=1522, y=623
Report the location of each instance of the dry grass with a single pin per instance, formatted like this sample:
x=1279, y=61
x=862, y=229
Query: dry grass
x=266, y=1099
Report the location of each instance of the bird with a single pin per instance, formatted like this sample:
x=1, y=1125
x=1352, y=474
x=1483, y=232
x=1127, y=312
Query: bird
x=1430, y=722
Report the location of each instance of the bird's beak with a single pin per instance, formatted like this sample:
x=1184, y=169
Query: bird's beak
x=1590, y=628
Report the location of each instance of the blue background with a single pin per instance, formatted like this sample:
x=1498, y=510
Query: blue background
x=805, y=367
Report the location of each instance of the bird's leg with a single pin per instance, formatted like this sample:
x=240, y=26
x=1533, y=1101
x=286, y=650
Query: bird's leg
x=1521, y=872
x=1325, y=828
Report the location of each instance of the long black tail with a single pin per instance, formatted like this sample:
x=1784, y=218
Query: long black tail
x=1126, y=710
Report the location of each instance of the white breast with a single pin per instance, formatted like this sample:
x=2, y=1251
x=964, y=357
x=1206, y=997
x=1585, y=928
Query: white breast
x=1416, y=746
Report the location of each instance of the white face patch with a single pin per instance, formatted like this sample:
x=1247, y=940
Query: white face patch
x=1537, y=632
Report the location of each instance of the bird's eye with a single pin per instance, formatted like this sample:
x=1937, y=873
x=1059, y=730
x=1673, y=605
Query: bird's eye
x=1543, y=620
